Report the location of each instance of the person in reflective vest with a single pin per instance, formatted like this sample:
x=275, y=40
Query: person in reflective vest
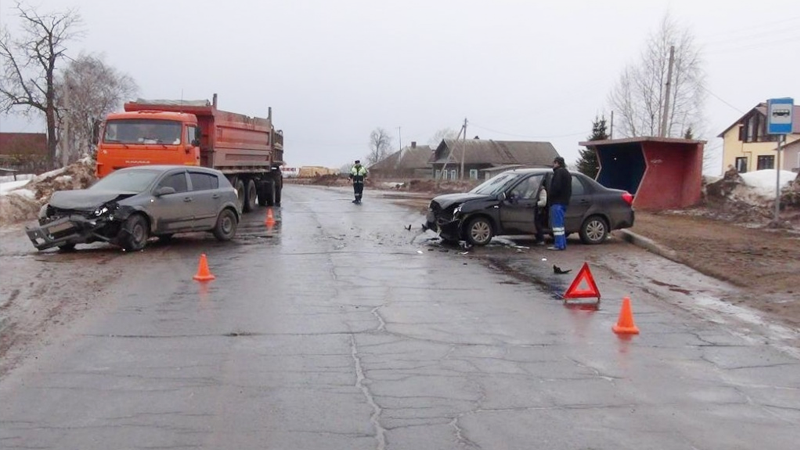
x=559, y=195
x=358, y=174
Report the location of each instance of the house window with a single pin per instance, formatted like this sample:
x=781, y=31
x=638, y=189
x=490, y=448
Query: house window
x=754, y=129
x=453, y=175
x=741, y=164
x=473, y=174
x=766, y=162
x=437, y=175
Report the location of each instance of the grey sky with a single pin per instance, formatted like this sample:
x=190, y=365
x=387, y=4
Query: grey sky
x=517, y=70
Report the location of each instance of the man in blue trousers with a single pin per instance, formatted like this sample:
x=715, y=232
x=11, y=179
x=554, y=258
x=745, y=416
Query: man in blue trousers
x=558, y=196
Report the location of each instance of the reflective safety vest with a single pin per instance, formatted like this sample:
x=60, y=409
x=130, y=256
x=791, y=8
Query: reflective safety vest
x=358, y=173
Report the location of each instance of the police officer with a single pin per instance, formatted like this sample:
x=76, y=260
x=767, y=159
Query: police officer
x=358, y=174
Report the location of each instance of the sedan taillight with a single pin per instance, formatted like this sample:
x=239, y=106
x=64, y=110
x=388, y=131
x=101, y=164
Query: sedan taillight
x=628, y=198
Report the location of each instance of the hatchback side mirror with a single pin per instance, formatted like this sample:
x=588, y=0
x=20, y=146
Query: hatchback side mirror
x=165, y=190
x=502, y=196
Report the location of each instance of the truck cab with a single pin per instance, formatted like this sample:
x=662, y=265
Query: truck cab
x=138, y=138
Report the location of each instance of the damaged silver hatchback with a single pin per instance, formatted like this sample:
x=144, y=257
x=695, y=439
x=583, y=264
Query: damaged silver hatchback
x=130, y=205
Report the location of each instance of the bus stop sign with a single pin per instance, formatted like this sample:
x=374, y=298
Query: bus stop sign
x=779, y=115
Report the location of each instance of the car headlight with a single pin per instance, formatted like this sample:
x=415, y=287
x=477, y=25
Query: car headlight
x=457, y=210
x=43, y=211
x=100, y=211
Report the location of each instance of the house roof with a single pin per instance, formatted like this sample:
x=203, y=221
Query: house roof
x=406, y=158
x=762, y=109
x=23, y=143
x=633, y=140
x=496, y=153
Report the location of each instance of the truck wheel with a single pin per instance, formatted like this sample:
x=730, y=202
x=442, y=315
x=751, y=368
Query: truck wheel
x=135, y=232
x=238, y=184
x=225, y=228
x=278, y=191
x=269, y=189
x=250, y=197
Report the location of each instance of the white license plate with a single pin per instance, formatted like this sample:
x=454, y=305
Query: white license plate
x=60, y=227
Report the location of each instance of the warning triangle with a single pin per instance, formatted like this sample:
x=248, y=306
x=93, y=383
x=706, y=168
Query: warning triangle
x=584, y=278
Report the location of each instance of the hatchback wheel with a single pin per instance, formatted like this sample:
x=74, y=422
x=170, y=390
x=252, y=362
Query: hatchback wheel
x=479, y=231
x=136, y=231
x=225, y=228
x=594, y=230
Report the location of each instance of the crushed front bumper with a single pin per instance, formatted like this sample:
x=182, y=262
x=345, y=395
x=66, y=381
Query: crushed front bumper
x=73, y=229
x=448, y=229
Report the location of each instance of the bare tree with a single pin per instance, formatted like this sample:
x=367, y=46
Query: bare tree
x=87, y=90
x=29, y=61
x=380, y=143
x=639, y=95
x=444, y=133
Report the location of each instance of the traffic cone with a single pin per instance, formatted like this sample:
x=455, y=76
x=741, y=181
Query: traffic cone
x=203, y=274
x=625, y=323
x=270, y=218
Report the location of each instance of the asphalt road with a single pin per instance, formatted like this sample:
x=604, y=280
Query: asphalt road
x=339, y=329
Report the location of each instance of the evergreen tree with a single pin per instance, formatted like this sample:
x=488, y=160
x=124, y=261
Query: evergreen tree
x=689, y=134
x=587, y=163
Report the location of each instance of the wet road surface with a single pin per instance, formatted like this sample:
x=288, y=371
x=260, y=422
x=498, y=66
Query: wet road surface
x=333, y=330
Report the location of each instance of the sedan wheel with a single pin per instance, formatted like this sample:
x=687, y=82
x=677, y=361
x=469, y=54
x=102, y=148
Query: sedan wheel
x=594, y=230
x=479, y=231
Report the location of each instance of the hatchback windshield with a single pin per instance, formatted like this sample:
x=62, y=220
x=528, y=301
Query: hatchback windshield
x=496, y=185
x=138, y=131
x=127, y=181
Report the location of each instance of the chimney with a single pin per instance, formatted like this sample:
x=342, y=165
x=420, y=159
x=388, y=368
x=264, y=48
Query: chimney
x=413, y=144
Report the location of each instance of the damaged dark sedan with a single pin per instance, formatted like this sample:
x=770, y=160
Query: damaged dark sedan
x=507, y=205
x=130, y=205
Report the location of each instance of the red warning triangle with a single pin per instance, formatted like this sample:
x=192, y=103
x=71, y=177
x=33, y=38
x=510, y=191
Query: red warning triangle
x=584, y=278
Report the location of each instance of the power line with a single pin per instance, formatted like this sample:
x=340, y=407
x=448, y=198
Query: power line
x=771, y=23
x=738, y=37
x=755, y=45
x=721, y=99
x=527, y=136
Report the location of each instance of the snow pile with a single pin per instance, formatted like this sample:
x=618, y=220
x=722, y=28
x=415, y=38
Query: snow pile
x=22, y=201
x=763, y=181
x=8, y=186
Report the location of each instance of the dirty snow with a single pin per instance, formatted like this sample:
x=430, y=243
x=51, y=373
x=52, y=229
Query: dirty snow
x=763, y=181
x=24, y=201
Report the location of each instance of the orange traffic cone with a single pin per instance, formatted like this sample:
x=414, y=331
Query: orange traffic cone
x=270, y=218
x=625, y=323
x=203, y=274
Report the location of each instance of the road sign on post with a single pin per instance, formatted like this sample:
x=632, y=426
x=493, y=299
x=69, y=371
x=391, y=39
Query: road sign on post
x=779, y=115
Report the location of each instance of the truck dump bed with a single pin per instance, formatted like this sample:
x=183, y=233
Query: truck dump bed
x=229, y=142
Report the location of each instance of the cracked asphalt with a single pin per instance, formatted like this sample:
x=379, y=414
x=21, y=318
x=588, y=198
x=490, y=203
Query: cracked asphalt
x=340, y=329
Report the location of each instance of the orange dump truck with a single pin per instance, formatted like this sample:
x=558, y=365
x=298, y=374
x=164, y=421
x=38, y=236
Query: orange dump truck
x=248, y=150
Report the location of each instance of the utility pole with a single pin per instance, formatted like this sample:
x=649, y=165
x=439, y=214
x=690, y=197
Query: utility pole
x=400, y=137
x=443, y=173
x=463, y=148
x=611, y=130
x=665, y=114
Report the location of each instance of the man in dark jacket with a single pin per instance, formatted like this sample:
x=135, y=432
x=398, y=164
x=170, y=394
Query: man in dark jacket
x=558, y=197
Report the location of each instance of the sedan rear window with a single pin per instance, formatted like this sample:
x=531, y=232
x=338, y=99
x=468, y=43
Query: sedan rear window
x=127, y=181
